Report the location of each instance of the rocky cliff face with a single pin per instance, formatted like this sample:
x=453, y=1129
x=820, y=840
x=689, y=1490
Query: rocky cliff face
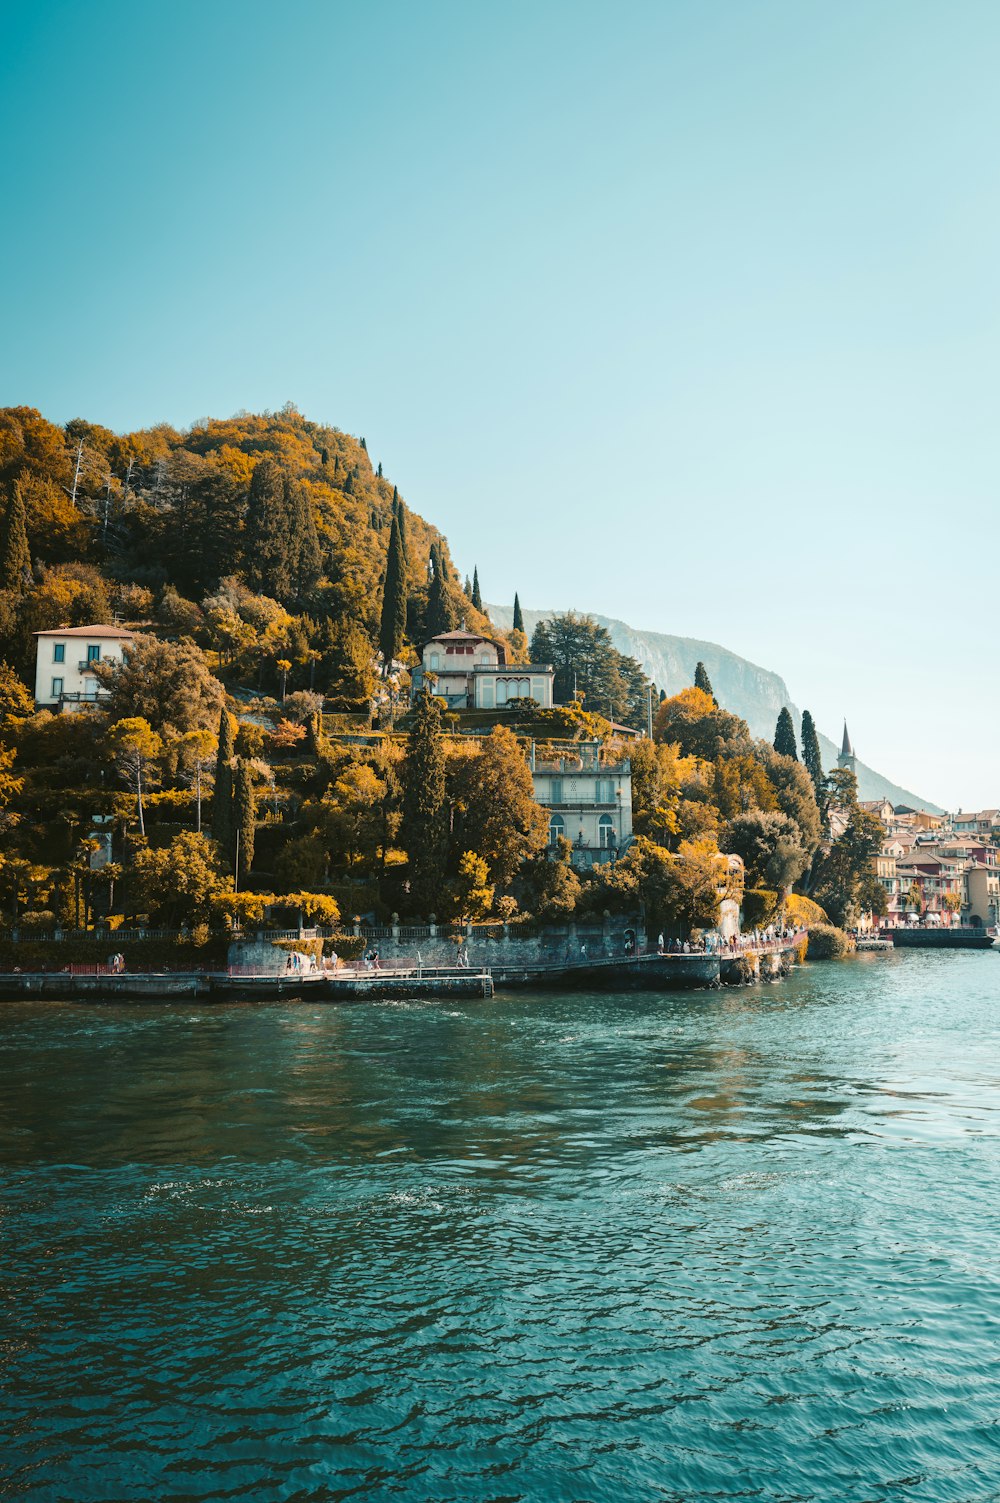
x=755, y=693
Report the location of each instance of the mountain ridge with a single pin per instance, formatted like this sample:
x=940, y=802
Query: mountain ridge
x=755, y=693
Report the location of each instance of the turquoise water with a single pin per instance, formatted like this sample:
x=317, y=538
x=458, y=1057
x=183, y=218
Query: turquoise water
x=726, y=1245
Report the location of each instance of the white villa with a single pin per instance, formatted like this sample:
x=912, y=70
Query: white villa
x=589, y=802
x=65, y=660
x=471, y=672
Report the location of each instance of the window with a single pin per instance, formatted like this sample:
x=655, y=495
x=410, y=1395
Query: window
x=606, y=832
x=59, y=652
x=556, y=791
x=557, y=827
x=57, y=684
x=604, y=791
x=434, y=663
x=93, y=653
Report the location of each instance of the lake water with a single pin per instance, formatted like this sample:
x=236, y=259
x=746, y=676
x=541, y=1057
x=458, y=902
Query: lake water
x=725, y=1245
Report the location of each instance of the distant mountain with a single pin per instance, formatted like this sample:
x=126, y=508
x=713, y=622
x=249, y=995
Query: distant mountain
x=752, y=692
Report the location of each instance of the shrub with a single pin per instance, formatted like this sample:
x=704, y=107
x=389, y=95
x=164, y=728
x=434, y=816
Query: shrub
x=826, y=942
x=249, y=740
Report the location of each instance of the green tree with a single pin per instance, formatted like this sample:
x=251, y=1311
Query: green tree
x=518, y=623
x=281, y=548
x=587, y=664
x=15, y=558
x=16, y=704
x=196, y=752
x=471, y=890
x=694, y=722
x=244, y=818
x=552, y=887
x=500, y=819
x=784, y=735
x=811, y=753
x=167, y=683
x=135, y=747
x=424, y=828
x=392, y=627
x=179, y=883
x=222, y=796
x=442, y=611
x=477, y=599
x=702, y=680
x=848, y=863
x=770, y=845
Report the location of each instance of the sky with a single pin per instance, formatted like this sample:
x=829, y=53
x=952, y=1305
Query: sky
x=685, y=313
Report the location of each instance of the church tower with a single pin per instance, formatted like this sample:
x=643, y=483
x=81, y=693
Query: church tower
x=847, y=759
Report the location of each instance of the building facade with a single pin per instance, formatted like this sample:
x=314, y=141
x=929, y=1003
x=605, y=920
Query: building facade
x=470, y=672
x=65, y=663
x=588, y=801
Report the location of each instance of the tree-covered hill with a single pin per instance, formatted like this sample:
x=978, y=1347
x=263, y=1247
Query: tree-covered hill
x=152, y=524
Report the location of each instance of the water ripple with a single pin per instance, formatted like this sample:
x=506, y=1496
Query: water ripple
x=724, y=1246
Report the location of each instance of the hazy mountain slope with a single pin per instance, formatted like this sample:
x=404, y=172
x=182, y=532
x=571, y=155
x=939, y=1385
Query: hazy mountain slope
x=752, y=692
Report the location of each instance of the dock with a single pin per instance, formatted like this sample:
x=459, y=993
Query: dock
x=223, y=986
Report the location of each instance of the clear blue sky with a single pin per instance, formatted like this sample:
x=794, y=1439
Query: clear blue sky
x=685, y=313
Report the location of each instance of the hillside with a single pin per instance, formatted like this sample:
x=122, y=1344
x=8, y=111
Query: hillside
x=748, y=690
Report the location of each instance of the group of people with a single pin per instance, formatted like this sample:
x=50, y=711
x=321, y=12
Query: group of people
x=298, y=964
x=116, y=963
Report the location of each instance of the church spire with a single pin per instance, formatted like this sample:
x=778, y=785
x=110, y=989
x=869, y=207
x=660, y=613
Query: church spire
x=847, y=758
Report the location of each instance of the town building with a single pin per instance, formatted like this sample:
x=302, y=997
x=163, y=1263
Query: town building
x=847, y=759
x=588, y=799
x=982, y=895
x=470, y=672
x=65, y=660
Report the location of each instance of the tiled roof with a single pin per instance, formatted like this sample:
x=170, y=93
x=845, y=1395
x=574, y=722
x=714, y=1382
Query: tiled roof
x=86, y=631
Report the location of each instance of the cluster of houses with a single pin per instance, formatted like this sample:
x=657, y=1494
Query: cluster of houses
x=939, y=869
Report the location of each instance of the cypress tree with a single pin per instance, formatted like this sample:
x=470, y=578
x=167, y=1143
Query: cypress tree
x=270, y=539
x=702, y=680
x=811, y=753
x=467, y=589
x=222, y=797
x=393, y=623
x=15, y=556
x=244, y=816
x=784, y=735
x=324, y=458
x=424, y=829
x=395, y=498
x=379, y=471
x=477, y=599
x=442, y=614
x=518, y=618
x=364, y=446
x=304, y=555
